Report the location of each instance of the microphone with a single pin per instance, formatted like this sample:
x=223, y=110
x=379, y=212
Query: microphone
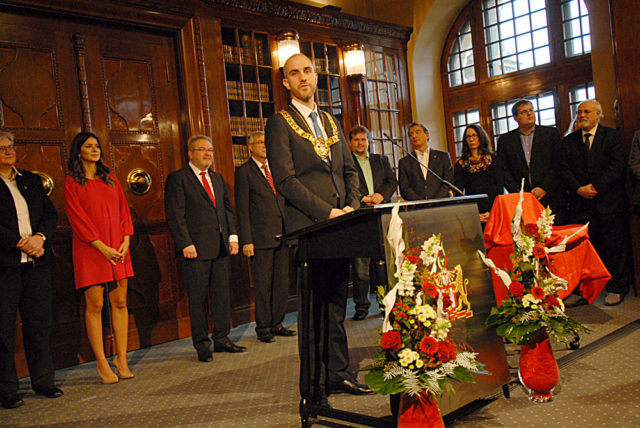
x=429, y=170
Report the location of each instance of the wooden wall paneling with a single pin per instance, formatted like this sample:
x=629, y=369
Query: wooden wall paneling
x=625, y=16
x=215, y=83
x=134, y=86
x=216, y=86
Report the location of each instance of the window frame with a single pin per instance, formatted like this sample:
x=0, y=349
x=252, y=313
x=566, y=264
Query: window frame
x=557, y=76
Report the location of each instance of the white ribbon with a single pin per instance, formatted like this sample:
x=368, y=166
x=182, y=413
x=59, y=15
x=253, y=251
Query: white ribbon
x=394, y=237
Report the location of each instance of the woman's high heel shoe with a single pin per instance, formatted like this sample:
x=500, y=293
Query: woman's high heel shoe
x=109, y=378
x=123, y=375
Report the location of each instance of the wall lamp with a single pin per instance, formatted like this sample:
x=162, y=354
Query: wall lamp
x=288, y=45
x=354, y=59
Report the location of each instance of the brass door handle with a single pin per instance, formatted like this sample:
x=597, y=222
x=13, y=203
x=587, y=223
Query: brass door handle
x=47, y=182
x=139, y=181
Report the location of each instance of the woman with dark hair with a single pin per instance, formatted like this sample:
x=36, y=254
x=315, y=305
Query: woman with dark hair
x=476, y=171
x=101, y=223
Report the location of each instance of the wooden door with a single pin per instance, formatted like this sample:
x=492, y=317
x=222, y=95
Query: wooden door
x=58, y=77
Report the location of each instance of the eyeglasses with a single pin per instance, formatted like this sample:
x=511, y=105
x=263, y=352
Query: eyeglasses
x=470, y=136
x=11, y=147
x=203, y=149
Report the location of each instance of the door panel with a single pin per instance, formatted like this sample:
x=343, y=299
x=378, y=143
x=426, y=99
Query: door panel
x=58, y=77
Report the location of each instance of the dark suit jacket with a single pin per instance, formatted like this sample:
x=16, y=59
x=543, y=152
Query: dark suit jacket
x=42, y=215
x=193, y=219
x=414, y=187
x=310, y=186
x=603, y=166
x=260, y=211
x=384, y=180
x=544, y=163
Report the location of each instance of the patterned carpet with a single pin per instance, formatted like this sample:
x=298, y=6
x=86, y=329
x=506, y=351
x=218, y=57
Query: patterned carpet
x=600, y=384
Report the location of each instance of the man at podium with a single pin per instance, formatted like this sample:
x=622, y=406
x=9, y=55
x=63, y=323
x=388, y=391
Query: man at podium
x=313, y=169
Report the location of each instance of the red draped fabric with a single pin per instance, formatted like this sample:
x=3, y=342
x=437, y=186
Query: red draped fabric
x=579, y=264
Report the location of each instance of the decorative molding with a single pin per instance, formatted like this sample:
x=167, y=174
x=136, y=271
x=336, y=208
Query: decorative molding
x=318, y=16
x=85, y=105
x=202, y=76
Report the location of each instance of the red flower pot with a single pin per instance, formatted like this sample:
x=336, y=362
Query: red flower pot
x=538, y=370
x=419, y=412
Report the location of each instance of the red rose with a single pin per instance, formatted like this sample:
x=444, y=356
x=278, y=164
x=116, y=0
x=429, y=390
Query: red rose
x=429, y=345
x=446, y=351
x=531, y=229
x=429, y=289
x=539, y=252
x=391, y=340
x=413, y=259
x=516, y=289
x=537, y=292
x=552, y=301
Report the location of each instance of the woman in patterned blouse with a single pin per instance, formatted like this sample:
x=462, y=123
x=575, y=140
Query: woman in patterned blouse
x=476, y=171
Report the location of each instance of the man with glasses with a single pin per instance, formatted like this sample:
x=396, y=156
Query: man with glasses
x=27, y=222
x=531, y=152
x=593, y=171
x=202, y=224
x=261, y=219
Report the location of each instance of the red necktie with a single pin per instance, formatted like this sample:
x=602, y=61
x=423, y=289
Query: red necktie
x=207, y=187
x=267, y=173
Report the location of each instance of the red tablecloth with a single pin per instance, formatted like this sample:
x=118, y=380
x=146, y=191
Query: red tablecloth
x=580, y=265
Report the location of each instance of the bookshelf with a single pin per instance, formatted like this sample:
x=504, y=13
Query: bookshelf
x=248, y=73
x=325, y=57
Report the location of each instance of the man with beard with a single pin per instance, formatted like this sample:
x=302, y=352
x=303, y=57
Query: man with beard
x=593, y=168
x=314, y=171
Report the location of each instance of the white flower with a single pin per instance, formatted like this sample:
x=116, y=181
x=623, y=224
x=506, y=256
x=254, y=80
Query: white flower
x=441, y=328
x=545, y=223
x=419, y=363
x=405, y=278
x=430, y=250
x=529, y=300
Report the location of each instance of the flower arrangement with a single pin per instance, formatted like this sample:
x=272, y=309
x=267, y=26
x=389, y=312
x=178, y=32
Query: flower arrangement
x=416, y=355
x=532, y=305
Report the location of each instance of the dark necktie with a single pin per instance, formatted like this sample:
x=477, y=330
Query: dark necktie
x=587, y=139
x=207, y=187
x=316, y=125
x=267, y=174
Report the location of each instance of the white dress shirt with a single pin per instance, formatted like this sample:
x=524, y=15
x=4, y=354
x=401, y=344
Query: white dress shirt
x=423, y=157
x=22, y=209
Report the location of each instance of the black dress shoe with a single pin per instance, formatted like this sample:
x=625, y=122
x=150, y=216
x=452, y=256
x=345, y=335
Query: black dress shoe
x=350, y=386
x=226, y=345
x=205, y=353
x=266, y=337
x=283, y=331
x=48, y=391
x=12, y=402
x=360, y=315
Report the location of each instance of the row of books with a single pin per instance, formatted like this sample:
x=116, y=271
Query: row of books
x=253, y=124
x=244, y=54
x=251, y=90
x=240, y=154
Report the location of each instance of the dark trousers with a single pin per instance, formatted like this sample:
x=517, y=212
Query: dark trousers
x=270, y=268
x=610, y=235
x=28, y=289
x=207, y=281
x=329, y=353
x=361, y=274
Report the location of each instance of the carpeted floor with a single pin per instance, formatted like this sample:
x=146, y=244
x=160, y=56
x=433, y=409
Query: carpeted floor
x=600, y=384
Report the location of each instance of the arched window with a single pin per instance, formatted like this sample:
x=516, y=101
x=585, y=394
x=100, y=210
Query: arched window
x=499, y=51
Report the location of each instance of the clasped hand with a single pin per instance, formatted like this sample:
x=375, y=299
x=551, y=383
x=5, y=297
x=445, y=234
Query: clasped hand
x=32, y=245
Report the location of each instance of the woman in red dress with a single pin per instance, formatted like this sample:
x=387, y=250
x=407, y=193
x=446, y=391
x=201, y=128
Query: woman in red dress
x=101, y=223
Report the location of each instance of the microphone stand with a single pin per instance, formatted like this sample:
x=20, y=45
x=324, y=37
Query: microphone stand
x=429, y=170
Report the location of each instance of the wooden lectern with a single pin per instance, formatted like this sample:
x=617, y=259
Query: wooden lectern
x=362, y=233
